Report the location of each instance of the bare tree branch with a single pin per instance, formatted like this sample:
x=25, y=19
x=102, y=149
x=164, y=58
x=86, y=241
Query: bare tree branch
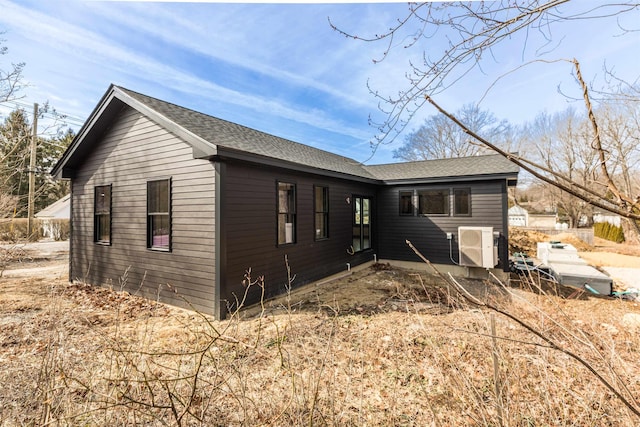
x=597, y=142
x=10, y=79
x=554, y=344
x=470, y=30
x=581, y=192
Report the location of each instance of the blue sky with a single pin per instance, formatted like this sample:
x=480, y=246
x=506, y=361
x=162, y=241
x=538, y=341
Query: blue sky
x=280, y=68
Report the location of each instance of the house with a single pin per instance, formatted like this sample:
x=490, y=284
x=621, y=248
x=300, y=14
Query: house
x=163, y=195
x=518, y=216
x=521, y=217
x=58, y=210
x=543, y=221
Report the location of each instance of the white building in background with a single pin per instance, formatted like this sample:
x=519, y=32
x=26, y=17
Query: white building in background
x=60, y=209
x=518, y=216
x=611, y=218
x=543, y=221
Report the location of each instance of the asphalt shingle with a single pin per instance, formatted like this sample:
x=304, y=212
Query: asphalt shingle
x=489, y=164
x=223, y=133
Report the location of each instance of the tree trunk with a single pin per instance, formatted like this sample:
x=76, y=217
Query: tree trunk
x=631, y=231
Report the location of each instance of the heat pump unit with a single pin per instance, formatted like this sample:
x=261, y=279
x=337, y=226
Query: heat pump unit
x=476, y=247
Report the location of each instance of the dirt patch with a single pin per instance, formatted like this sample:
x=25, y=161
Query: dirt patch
x=601, y=253
x=610, y=259
x=19, y=259
x=602, y=245
x=381, y=346
x=377, y=289
x=526, y=241
x=521, y=241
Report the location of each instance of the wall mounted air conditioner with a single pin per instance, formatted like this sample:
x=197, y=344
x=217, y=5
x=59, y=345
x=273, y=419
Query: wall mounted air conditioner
x=476, y=247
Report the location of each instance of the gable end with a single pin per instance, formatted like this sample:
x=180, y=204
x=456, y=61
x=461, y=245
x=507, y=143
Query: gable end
x=111, y=104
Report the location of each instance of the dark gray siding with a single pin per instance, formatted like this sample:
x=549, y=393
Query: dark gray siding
x=131, y=152
x=249, y=226
x=429, y=233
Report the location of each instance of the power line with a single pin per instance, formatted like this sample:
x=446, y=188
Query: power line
x=74, y=120
x=45, y=113
x=62, y=116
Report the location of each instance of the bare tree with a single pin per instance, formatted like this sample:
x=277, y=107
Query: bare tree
x=8, y=205
x=620, y=127
x=440, y=138
x=15, y=134
x=621, y=135
x=10, y=78
x=606, y=194
x=10, y=84
x=561, y=142
x=470, y=30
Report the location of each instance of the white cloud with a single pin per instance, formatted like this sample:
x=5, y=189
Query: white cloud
x=90, y=47
x=262, y=38
x=272, y=64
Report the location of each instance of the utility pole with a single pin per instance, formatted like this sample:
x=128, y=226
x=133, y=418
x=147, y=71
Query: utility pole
x=32, y=172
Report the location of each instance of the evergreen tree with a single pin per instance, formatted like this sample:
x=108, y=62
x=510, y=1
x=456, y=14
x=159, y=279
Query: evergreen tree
x=15, y=143
x=15, y=136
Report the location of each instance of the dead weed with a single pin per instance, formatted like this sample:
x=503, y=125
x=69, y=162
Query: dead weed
x=364, y=350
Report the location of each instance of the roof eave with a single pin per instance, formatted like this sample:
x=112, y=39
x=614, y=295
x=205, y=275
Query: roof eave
x=225, y=153
x=511, y=178
x=60, y=169
x=112, y=101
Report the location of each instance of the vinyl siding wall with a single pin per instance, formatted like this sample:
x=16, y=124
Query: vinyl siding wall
x=249, y=230
x=133, y=151
x=429, y=233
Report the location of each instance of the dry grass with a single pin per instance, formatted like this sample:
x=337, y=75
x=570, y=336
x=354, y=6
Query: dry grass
x=382, y=347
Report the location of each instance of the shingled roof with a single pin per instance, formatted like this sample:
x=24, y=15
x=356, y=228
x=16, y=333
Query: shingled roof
x=225, y=134
x=463, y=167
x=211, y=136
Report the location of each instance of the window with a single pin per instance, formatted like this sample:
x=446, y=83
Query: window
x=406, y=203
x=361, y=223
x=159, y=214
x=462, y=202
x=102, y=214
x=433, y=202
x=286, y=213
x=321, y=207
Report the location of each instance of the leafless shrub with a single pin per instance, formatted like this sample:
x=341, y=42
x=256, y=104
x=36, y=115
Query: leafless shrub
x=57, y=229
x=11, y=254
x=94, y=356
x=14, y=230
x=557, y=332
x=8, y=205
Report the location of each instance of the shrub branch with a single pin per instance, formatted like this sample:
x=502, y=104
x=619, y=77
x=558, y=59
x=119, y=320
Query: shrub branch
x=449, y=279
